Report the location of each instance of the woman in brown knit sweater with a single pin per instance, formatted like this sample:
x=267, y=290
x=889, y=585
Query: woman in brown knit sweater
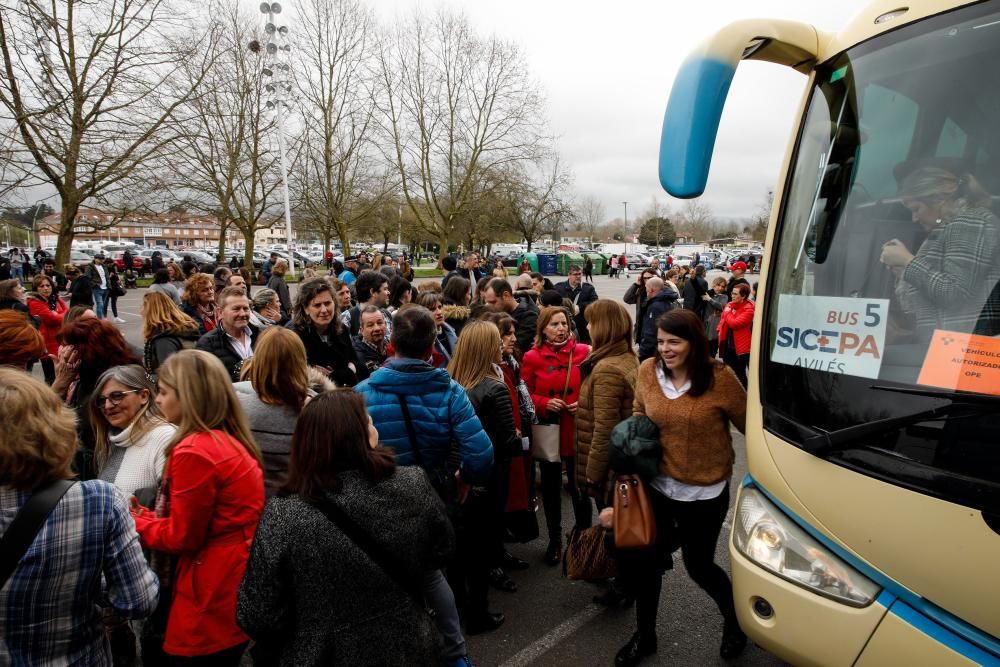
x=692, y=399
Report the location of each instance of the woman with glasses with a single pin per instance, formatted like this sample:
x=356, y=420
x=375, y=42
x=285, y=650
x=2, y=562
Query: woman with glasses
x=131, y=438
x=210, y=500
x=130, y=434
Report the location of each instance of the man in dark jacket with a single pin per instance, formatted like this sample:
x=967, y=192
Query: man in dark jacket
x=369, y=344
x=738, y=269
x=232, y=341
x=49, y=269
x=694, y=289
x=582, y=295
x=659, y=299
x=372, y=290
x=499, y=297
x=636, y=294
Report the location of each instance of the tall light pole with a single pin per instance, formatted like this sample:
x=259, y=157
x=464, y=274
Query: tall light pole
x=626, y=230
x=280, y=87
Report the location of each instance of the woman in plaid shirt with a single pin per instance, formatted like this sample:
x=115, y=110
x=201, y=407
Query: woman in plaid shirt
x=948, y=283
x=86, y=555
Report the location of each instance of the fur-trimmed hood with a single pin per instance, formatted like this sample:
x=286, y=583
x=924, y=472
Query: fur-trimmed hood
x=455, y=312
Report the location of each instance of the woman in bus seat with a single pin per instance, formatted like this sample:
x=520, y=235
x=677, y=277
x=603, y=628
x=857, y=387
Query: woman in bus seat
x=947, y=282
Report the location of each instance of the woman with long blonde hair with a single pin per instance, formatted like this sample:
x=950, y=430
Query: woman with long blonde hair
x=475, y=366
x=206, y=513
x=166, y=330
x=275, y=386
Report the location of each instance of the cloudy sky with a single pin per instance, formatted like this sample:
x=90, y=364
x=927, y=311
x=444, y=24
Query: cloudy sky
x=607, y=69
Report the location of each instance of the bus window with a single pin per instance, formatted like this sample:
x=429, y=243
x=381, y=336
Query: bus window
x=884, y=296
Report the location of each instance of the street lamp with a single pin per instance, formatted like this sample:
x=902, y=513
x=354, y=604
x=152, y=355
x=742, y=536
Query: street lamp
x=626, y=230
x=279, y=88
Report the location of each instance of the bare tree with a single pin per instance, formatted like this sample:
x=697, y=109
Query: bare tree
x=342, y=179
x=590, y=215
x=91, y=86
x=226, y=158
x=455, y=107
x=536, y=198
x=696, y=220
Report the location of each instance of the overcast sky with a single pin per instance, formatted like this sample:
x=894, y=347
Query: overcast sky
x=607, y=68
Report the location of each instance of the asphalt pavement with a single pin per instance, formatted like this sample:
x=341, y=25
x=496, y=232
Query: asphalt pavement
x=551, y=621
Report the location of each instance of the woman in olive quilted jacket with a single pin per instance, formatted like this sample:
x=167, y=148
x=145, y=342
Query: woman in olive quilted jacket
x=606, y=395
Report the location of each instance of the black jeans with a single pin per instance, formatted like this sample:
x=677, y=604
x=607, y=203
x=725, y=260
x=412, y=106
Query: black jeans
x=552, y=497
x=694, y=527
x=739, y=364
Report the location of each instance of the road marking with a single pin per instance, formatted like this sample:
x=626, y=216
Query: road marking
x=557, y=635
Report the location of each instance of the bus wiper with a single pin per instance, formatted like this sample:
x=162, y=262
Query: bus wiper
x=964, y=398
x=849, y=437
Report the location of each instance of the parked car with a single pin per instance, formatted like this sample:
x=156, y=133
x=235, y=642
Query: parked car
x=636, y=261
x=118, y=257
x=79, y=259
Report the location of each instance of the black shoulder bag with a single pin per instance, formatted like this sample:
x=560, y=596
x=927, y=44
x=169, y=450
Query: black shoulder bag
x=380, y=556
x=28, y=523
x=441, y=479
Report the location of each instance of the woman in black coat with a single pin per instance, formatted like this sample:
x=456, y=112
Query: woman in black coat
x=316, y=319
x=369, y=609
x=475, y=366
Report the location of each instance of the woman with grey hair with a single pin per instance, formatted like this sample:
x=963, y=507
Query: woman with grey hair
x=947, y=283
x=265, y=309
x=130, y=434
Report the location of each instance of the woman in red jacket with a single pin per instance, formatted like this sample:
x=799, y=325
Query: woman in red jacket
x=49, y=309
x=207, y=510
x=737, y=319
x=544, y=370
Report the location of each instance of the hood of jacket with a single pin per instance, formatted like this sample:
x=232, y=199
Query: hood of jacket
x=665, y=294
x=453, y=311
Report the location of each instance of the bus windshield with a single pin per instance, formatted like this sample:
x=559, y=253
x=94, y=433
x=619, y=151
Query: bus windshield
x=881, y=349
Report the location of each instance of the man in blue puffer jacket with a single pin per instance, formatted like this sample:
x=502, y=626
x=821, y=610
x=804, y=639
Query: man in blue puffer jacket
x=441, y=415
x=440, y=410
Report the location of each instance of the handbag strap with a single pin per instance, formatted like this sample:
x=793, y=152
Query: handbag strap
x=569, y=372
x=28, y=522
x=410, y=431
x=383, y=559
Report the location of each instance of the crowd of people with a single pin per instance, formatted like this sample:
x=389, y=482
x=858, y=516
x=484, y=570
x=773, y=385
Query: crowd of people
x=383, y=438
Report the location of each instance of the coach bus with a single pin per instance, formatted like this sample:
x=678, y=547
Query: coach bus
x=867, y=531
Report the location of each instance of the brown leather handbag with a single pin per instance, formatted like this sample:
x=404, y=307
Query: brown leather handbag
x=635, y=524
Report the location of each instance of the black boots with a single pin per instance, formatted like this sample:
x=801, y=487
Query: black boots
x=553, y=554
x=637, y=648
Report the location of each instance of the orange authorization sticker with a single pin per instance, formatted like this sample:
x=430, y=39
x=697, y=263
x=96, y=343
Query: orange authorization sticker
x=961, y=361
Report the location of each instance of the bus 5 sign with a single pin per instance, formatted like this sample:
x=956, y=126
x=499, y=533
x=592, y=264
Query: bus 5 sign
x=831, y=334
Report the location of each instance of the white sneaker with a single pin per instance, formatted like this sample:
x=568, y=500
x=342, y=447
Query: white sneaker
x=119, y=320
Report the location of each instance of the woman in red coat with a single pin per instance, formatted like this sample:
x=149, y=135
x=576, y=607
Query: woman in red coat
x=48, y=309
x=207, y=510
x=544, y=370
x=737, y=318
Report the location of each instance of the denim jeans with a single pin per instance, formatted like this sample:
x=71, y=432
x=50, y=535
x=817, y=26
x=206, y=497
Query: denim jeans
x=100, y=302
x=441, y=599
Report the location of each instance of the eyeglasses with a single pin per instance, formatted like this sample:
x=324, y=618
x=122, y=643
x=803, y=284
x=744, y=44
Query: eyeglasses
x=114, y=398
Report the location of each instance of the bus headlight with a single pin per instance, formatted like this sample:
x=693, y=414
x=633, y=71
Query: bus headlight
x=765, y=535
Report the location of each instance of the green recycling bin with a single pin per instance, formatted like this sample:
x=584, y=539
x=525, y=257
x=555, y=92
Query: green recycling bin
x=567, y=259
x=532, y=260
x=600, y=262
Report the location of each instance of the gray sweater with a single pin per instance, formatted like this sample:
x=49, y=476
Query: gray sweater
x=359, y=615
x=272, y=427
